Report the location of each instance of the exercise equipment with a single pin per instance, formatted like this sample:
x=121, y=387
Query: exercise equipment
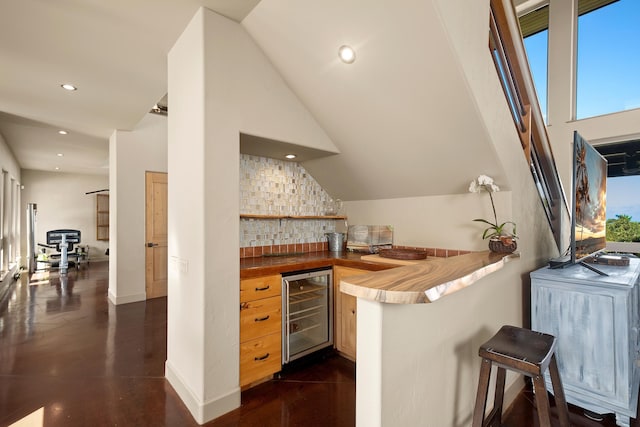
x=63, y=240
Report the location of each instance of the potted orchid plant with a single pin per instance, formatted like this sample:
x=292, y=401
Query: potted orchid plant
x=500, y=239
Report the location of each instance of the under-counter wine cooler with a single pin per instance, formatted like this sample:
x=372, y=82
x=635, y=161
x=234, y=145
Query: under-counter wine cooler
x=307, y=308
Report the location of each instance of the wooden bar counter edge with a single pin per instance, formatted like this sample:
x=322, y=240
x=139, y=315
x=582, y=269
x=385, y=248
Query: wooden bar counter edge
x=425, y=281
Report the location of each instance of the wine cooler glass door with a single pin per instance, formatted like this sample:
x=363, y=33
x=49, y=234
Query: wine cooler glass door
x=307, y=326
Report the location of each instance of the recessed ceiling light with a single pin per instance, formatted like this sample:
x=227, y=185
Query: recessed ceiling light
x=57, y=168
x=347, y=54
x=68, y=86
x=63, y=132
x=290, y=156
x=60, y=154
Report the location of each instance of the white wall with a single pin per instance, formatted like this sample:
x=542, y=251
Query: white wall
x=434, y=221
x=62, y=203
x=427, y=354
x=220, y=84
x=131, y=154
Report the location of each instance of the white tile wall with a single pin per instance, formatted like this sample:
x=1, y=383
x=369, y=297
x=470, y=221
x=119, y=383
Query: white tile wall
x=275, y=187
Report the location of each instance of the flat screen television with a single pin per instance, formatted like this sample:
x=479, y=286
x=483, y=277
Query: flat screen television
x=589, y=201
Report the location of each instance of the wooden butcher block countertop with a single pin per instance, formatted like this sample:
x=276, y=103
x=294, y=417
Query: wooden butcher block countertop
x=262, y=266
x=427, y=280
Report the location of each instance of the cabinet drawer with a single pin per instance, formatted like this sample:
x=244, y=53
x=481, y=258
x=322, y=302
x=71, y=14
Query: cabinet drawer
x=260, y=287
x=260, y=358
x=260, y=317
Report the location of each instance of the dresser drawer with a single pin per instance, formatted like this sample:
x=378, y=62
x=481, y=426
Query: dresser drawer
x=260, y=287
x=259, y=318
x=260, y=358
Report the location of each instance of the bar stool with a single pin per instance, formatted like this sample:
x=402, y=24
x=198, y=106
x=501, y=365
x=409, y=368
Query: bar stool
x=529, y=353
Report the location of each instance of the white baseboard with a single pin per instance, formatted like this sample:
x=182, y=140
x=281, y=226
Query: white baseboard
x=126, y=299
x=202, y=412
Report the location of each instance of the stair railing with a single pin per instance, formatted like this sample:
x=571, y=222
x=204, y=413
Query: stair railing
x=508, y=53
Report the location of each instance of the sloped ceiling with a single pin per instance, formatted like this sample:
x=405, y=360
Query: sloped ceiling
x=401, y=115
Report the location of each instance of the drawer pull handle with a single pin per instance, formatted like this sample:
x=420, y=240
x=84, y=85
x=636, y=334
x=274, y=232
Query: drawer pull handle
x=262, y=319
x=266, y=288
x=266, y=356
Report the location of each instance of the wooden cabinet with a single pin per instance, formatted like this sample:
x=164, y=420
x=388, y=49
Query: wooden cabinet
x=345, y=313
x=102, y=217
x=260, y=328
x=595, y=319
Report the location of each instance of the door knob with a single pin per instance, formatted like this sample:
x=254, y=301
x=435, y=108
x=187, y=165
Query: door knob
x=151, y=245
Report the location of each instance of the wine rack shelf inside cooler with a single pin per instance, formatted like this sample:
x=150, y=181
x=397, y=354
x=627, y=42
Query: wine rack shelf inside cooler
x=308, y=322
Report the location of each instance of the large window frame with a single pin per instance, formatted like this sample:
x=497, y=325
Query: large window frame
x=533, y=19
x=9, y=223
x=604, y=84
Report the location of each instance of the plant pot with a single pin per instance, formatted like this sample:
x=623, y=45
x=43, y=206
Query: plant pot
x=503, y=246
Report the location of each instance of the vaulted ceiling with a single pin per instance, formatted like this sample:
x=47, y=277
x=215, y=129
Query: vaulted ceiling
x=113, y=51
x=401, y=115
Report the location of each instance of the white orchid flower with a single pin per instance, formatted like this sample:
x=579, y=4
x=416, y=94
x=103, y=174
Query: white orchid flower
x=484, y=182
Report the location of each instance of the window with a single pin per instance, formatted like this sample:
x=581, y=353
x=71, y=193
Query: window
x=608, y=58
x=9, y=222
x=535, y=34
x=623, y=181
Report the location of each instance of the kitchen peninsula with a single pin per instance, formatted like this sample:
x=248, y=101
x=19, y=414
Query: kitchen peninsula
x=426, y=282
x=369, y=281
x=407, y=347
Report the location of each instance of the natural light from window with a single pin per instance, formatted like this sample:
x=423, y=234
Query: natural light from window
x=608, y=59
x=536, y=47
x=618, y=200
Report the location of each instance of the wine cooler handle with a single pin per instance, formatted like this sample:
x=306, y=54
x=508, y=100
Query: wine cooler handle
x=266, y=356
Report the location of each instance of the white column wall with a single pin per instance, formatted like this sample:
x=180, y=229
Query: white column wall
x=220, y=84
x=186, y=304
x=131, y=154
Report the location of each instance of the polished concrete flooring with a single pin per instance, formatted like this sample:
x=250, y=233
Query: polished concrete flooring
x=69, y=358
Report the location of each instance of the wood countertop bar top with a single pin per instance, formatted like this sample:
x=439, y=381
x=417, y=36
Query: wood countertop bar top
x=427, y=280
x=267, y=265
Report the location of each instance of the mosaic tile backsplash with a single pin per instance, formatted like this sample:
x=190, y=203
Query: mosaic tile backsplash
x=274, y=187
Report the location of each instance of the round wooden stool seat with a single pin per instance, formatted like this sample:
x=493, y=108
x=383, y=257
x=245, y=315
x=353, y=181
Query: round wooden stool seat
x=529, y=353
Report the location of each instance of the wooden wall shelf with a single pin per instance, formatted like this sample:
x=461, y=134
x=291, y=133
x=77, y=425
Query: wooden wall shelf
x=102, y=217
x=256, y=216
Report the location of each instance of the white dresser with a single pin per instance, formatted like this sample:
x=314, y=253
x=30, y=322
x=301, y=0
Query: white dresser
x=596, y=321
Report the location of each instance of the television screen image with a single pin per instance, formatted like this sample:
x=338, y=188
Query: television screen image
x=589, y=219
